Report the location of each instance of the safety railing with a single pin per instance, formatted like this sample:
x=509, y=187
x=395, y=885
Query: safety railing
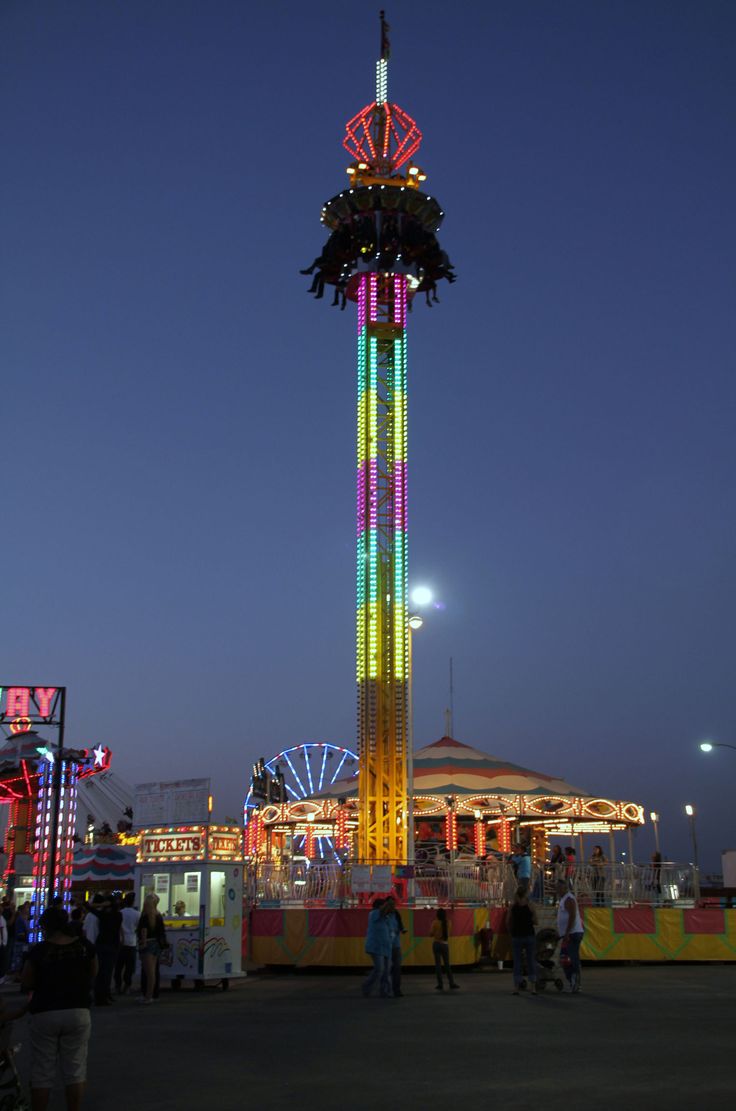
x=465, y=881
x=667, y=884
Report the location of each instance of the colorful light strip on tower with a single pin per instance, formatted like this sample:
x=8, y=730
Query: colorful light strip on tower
x=381, y=588
x=381, y=81
x=53, y=855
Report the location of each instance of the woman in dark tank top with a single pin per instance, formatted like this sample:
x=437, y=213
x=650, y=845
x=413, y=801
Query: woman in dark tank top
x=521, y=922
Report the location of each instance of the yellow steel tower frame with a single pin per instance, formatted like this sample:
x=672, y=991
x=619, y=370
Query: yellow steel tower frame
x=382, y=630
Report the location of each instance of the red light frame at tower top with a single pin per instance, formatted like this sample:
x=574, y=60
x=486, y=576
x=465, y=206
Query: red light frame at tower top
x=400, y=131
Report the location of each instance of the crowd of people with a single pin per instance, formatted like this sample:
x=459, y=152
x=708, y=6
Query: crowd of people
x=80, y=957
x=383, y=946
x=87, y=954
x=385, y=927
x=13, y=937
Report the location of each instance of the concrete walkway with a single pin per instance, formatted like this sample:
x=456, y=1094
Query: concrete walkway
x=636, y=1037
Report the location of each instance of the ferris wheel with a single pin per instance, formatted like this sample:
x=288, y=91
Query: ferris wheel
x=309, y=768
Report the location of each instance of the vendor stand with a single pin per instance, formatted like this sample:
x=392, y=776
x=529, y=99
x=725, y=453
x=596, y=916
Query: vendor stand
x=197, y=873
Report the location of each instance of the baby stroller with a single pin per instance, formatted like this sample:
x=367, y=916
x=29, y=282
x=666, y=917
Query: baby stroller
x=548, y=966
x=11, y=1093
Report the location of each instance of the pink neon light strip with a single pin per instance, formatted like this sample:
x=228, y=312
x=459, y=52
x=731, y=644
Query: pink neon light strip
x=361, y=498
x=400, y=494
x=373, y=494
x=373, y=298
x=361, y=303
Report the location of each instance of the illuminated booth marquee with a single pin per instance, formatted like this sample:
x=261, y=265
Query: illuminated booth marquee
x=174, y=843
x=38, y=781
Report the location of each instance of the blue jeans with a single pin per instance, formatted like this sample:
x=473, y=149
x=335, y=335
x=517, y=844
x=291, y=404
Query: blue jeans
x=396, y=969
x=573, y=952
x=107, y=955
x=125, y=966
x=441, y=951
x=380, y=974
x=524, y=945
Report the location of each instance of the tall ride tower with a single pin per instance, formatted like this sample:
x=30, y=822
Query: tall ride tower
x=382, y=250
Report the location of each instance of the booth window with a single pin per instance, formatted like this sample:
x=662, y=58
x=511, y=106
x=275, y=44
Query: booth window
x=157, y=883
x=185, y=895
x=217, y=899
x=162, y=888
x=178, y=892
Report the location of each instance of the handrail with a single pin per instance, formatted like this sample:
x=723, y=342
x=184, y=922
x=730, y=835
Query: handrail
x=466, y=881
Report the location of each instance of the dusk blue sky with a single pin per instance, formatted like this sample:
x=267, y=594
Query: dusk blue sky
x=178, y=413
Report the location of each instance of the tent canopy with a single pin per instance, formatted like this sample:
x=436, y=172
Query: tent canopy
x=449, y=767
x=103, y=864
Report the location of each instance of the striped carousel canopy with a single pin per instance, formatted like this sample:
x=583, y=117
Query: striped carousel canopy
x=449, y=767
x=103, y=864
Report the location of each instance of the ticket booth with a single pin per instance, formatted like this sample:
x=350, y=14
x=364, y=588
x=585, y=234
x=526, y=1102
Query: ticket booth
x=197, y=873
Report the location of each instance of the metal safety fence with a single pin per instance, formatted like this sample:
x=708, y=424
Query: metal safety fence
x=465, y=881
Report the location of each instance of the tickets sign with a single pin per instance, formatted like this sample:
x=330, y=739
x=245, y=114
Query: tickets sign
x=225, y=844
x=179, y=844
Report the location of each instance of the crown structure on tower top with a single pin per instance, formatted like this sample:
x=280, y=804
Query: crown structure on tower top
x=383, y=221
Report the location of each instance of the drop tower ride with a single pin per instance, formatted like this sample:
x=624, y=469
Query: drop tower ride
x=382, y=251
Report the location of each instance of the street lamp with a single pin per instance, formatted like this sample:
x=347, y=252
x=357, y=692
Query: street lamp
x=415, y=622
x=708, y=746
x=690, y=811
x=421, y=596
x=654, y=817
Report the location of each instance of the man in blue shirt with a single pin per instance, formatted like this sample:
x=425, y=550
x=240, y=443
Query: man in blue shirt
x=378, y=946
x=521, y=862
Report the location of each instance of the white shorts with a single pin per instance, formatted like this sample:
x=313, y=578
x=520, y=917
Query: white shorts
x=59, y=1036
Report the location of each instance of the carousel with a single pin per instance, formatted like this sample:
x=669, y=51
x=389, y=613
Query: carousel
x=307, y=892
x=464, y=802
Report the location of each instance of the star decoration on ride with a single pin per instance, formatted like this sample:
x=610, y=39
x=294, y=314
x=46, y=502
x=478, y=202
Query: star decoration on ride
x=93, y=760
x=382, y=135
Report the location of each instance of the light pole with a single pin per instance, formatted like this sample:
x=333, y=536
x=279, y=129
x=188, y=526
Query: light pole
x=654, y=816
x=708, y=746
x=690, y=811
x=420, y=596
x=415, y=622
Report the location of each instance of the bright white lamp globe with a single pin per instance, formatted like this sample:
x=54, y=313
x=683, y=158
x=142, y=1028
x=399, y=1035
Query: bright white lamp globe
x=421, y=595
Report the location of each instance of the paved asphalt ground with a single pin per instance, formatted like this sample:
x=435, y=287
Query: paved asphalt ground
x=636, y=1037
